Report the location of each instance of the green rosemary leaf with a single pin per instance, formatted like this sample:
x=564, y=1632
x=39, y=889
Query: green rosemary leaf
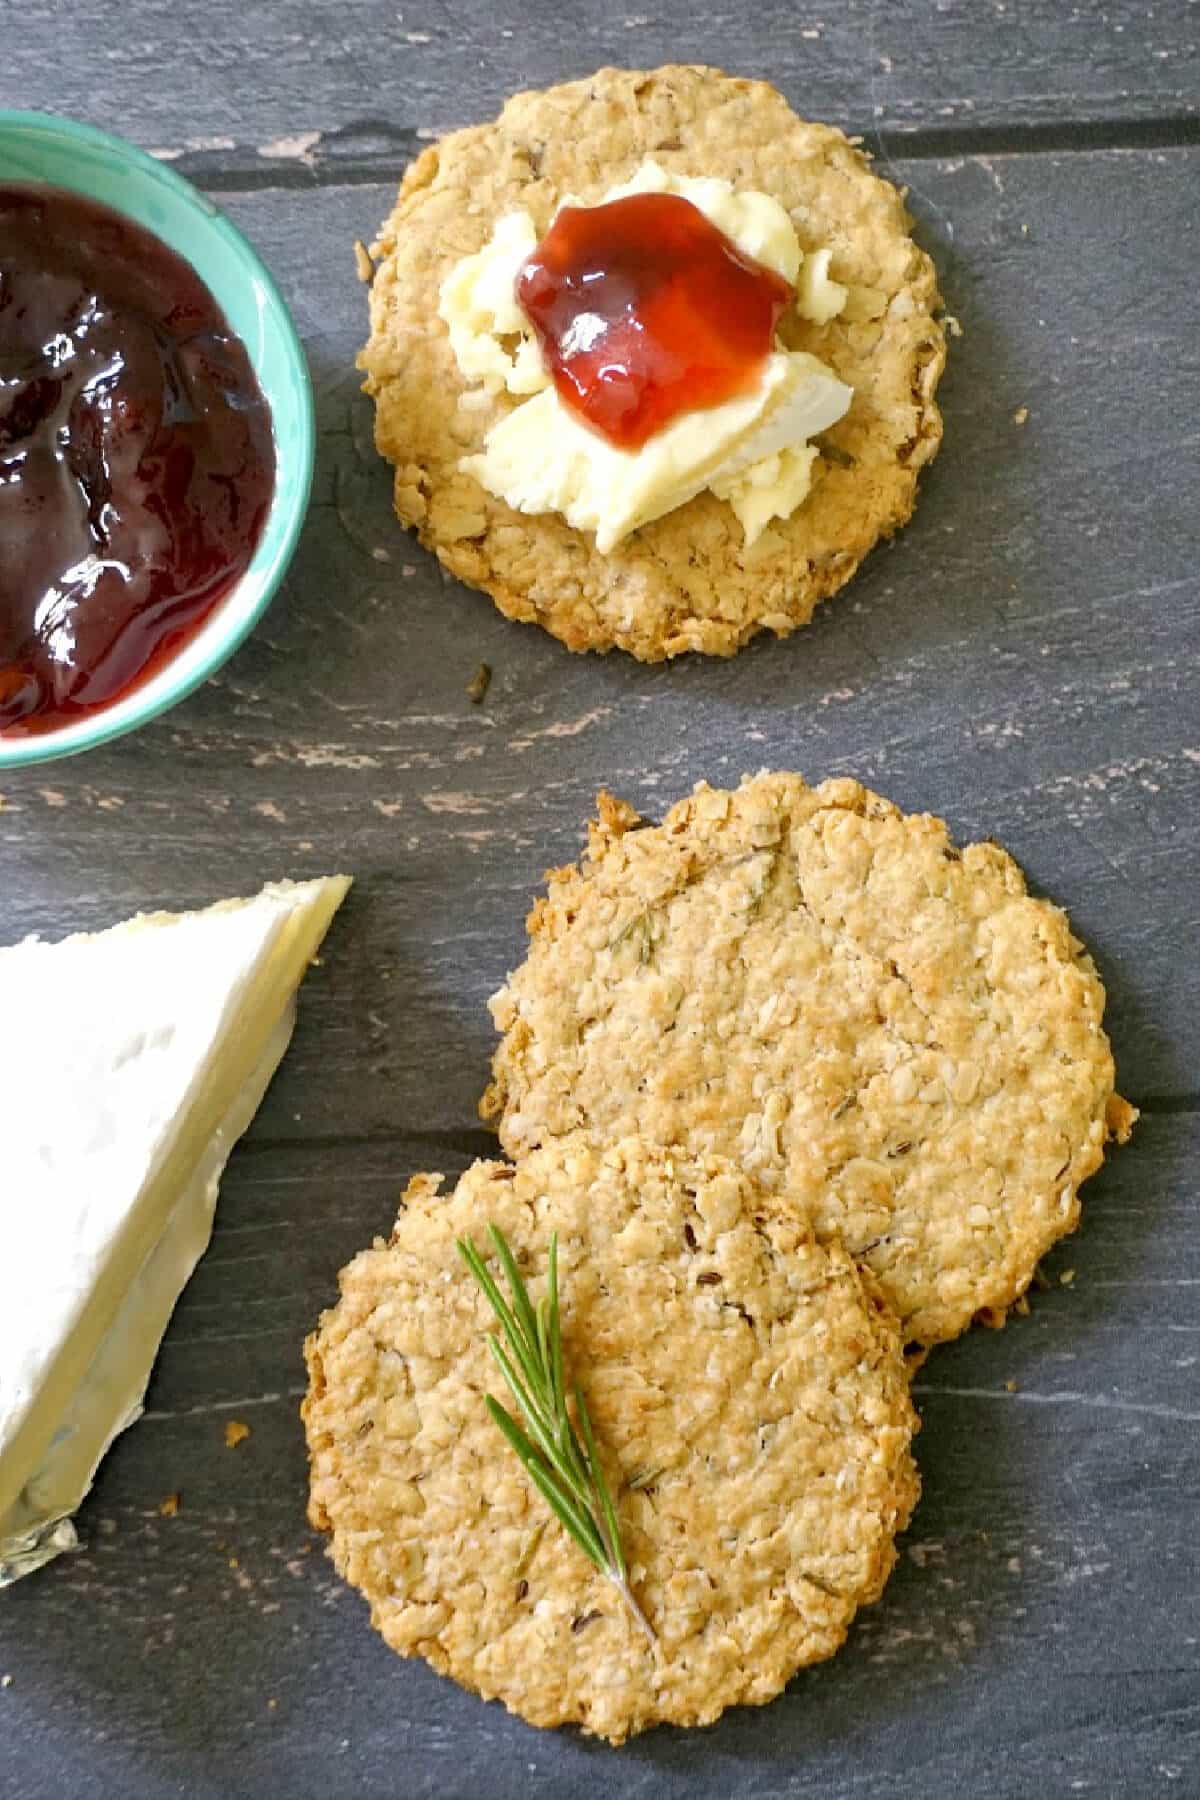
x=543, y=1430
x=553, y=1327
x=520, y=1292
x=542, y=1316
x=577, y=1523
x=612, y=1532
x=525, y=1354
x=559, y=1498
x=479, y=1270
x=568, y=1442
x=526, y=1359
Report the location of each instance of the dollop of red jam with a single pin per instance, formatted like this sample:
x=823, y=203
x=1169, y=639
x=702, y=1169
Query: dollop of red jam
x=136, y=457
x=644, y=310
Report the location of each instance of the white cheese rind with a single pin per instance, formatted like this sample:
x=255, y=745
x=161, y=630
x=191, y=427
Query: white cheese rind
x=123, y=1118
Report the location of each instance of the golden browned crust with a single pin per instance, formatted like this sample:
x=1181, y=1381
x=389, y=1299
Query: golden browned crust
x=811, y=982
x=748, y=1394
x=685, y=582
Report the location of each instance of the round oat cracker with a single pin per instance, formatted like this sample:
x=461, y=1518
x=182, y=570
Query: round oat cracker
x=813, y=983
x=748, y=1394
x=686, y=581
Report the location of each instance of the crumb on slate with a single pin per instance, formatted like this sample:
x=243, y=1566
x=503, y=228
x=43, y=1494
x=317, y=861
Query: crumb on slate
x=5, y=1681
x=169, y=1505
x=479, y=683
x=1067, y=1277
x=1010, y=1387
x=1021, y=415
x=953, y=325
x=236, y=1430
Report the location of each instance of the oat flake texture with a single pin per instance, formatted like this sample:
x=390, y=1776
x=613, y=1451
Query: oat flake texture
x=825, y=989
x=749, y=1397
x=686, y=581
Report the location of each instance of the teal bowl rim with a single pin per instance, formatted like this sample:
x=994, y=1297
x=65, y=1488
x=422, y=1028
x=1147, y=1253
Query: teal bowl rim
x=127, y=715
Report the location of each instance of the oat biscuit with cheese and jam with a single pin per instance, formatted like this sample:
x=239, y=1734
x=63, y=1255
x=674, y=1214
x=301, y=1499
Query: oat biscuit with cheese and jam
x=654, y=360
x=828, y=990
x=748, y=1395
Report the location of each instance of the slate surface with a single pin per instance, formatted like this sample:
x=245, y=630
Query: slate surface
x=1023, y=660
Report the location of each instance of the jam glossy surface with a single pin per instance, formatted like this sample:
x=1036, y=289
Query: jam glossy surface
x=644, y=310
x=136, y=457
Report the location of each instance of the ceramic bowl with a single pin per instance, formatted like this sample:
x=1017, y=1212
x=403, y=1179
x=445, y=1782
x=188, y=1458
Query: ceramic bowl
x=39, y=147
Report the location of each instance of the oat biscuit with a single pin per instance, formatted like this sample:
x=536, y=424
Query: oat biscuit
x=748, y=1394
x=686, y=581
x=827, y=990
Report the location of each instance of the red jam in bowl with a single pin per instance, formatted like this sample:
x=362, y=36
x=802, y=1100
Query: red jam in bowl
x=136, y=456
x=644, y=310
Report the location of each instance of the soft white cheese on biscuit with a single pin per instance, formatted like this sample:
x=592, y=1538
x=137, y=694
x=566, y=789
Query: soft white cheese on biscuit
x=752, y=451
x=478, y=301
x=597, y=487
x=818, y=296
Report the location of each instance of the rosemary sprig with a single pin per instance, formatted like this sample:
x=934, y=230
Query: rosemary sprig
x=565, y=1470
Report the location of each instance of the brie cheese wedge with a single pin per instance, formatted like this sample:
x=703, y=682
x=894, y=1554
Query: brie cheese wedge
x=143, y=1054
